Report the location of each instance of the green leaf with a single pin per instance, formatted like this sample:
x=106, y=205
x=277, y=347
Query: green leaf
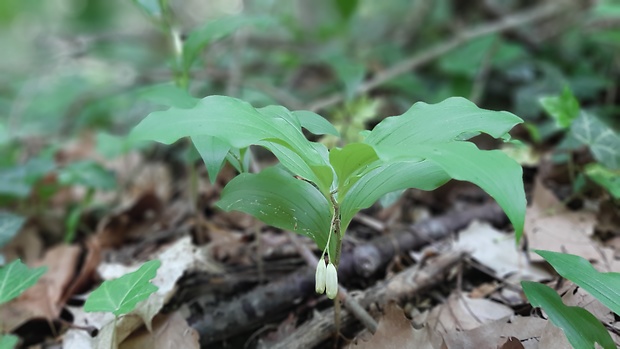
x=87, y=173
x=169, y=95
x=10, y=224
x=436, y=132
x=120, y=296
x=277, y=198
x=315, y=123
x=346, y=8
x=111, y=146
x=240, y=125
x=606, y=178
x=213, y=152
x=18, y=180
x=350, y=73
x=8, y=341
x=563, y=108
x=15, y=278
x=387, y=178
x=350, y=162
x=493, y=171
x=604, y=143
x=603, y=286
x=442, y=122
x=582, y=329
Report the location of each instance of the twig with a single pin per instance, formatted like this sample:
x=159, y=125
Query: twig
x=535, y=14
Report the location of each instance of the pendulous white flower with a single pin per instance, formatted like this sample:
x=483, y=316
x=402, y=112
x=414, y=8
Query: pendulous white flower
x=320, y=276
x=331, y=281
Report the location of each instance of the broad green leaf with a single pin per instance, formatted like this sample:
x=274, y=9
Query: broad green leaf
x=387, y=178
x=603, y=286
x=240, y=125
x=8, y=341
x=604, y=143
x=493, y=171
x=315, y=123
x=436, y=132
x=442, y=122
x=213, y=152
x=10, y=224
x=15, y=278
x=350, y=73
x=582, y=329
x=563, y=108
x=120, y=296
x=87, y=173
x=606, y=178
x=349, y=162
x=168, y=95
x=277, y=198
x=111, y=146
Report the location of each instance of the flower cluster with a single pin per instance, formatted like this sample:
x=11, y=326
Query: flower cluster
x=326, y=279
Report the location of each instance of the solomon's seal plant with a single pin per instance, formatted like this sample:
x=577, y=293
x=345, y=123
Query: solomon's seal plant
x=315, y=191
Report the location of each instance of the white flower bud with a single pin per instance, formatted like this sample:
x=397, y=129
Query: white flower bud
x=331, y=281
x=320, y=276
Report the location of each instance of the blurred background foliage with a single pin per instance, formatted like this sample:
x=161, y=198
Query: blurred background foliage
x=71, y=67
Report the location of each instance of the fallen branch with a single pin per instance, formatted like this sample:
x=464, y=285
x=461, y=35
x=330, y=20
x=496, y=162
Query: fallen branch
x=509, y=22
x=270, y=302
x=404, y=285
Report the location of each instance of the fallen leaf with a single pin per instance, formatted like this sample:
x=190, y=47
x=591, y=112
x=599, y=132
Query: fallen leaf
x=465, y=313
x=170, y=331
x=498, y=252
x=395, y=332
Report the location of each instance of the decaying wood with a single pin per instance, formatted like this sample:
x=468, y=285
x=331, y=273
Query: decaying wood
x=269, y=302
x=403, y=285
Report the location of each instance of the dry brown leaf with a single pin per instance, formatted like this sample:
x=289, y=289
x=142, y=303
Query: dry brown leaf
x=549, y=226
x=43, y=300
x=170, y=331
x=512, y=343
x=395, y=332
x=498, y=251
x=465, y=313
x=553, y=338
x=26, y=245
x=526, y=330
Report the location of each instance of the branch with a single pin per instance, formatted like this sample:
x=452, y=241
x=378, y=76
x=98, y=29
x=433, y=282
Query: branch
x=525, y=17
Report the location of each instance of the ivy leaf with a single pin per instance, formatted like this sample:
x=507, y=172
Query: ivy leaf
x=606, y=178
x=582, y=329
x=120, y=296
x=87, y=173
x=436, y=132
x=15, y=278
x=8, y=341
x=603, y=286
x=277, y=198
x=563, y=108
x=240, y=125
x=604, y=143
x=10, y=224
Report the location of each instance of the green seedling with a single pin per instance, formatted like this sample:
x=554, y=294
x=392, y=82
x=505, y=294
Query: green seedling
x=315, y=191
x=15, y=278
x=121, y=296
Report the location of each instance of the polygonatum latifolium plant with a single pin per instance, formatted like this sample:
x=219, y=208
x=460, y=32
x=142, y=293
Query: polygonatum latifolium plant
x=315, y=191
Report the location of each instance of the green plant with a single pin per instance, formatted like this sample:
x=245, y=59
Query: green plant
x=582, y=328
x=315, y=191
x=15, y=278
x=121, y=296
